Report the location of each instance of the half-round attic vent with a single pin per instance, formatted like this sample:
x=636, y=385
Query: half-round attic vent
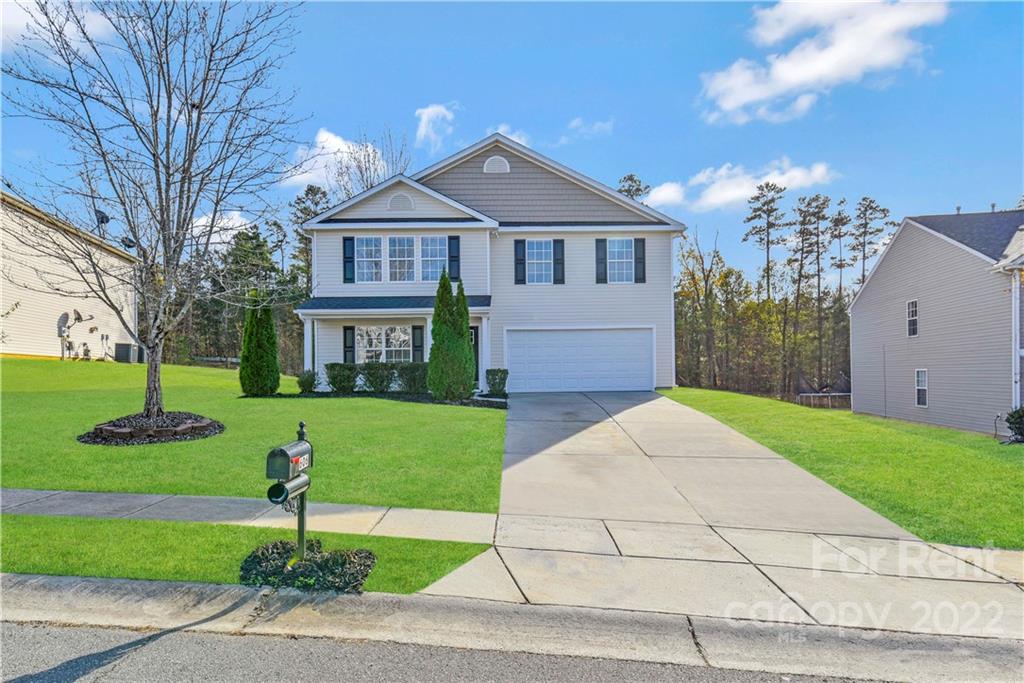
x=400, y=201
x=496, y=164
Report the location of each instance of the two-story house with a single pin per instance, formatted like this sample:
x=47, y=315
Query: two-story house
x=935, y=331
x=569, y=282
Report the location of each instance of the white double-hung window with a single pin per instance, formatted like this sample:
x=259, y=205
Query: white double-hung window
x=402, y=259
x=433, y=257
x=921, y=388
x=391, y=344
x=620, y=260
x=369, y=259
x=539, y=260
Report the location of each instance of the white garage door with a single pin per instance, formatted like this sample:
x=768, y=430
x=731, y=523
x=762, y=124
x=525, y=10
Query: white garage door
x=580, y=360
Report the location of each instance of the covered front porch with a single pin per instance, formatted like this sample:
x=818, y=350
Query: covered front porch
x=386, y=329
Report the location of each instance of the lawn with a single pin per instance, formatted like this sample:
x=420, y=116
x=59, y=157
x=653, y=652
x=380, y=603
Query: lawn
x=208, y=553
x=367, y=451
x=943, y=485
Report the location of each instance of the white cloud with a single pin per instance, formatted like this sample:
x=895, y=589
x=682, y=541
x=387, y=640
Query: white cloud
x=222, y=230
x=666, y=195
x=847, y=42
x=520, y=136
x=316, y=163
x=15, y=19
x=435, y=124
x=578, y=128
x=731, y=185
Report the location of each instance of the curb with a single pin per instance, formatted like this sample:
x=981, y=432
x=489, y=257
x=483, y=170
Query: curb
x=487, y=625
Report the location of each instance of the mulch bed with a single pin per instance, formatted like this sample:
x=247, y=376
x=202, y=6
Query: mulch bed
x=343, y=571
x=494, y=402
x=132, y=430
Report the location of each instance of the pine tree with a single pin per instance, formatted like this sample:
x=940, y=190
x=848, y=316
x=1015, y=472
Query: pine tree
x=631, y=186
x=821, y=241
x=311, y=203
x=839, y=230
x=866, y=231
x=462, y=328
x=258, y=371
x=768, y=225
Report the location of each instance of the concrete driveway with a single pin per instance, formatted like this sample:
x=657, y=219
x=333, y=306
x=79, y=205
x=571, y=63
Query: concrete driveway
x=630, y=500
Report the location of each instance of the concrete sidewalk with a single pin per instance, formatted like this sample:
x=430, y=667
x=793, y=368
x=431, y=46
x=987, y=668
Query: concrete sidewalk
x=483, y=625
x=438, y=525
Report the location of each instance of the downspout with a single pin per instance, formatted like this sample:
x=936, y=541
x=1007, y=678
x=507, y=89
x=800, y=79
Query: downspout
x=1015, y=364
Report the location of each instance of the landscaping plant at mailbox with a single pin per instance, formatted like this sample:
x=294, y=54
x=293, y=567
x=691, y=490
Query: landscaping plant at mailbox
x=450, y=372
x=258, y=370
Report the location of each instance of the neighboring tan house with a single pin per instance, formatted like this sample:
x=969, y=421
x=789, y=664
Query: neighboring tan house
x=569, y=282
x=39, y=321
x=936, y=327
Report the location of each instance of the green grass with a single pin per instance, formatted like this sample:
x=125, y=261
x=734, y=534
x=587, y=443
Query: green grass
x=207, y=553
x=367, y=451
x=943, y=485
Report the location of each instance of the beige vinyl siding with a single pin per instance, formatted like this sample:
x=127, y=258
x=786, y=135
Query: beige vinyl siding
x=377, y=206
x=528, y=193
x=31, y=329
x=328, y=272
x=580, y=302
x=964, y=335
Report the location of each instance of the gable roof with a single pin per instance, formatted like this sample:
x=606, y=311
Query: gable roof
x=987, y=233
x=473, y=217
x=649, y=215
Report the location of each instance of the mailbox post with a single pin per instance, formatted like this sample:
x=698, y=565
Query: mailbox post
x=288, y=464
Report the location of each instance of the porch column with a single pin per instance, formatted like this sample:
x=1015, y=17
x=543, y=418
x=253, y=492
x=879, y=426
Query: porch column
x=427, y=339
x=485, y=351
x=307, y=344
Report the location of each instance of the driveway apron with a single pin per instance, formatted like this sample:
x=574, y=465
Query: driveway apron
x=629, y=500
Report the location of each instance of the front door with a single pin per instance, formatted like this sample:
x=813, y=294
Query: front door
x=474, y=336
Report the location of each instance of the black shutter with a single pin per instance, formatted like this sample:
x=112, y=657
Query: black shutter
x=349, y=258
x=454, y=267
x=520, y=252
x=602, y=261
x=417, y=343
x=558, y=261
x=639, y=260
x=350, y=344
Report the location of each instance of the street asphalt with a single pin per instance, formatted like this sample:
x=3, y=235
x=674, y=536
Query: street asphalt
x=41, y=653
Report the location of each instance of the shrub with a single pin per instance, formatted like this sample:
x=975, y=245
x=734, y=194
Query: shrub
x=344, y=571
x=341, y=377
x=497, y=378
x=1015, y=421
x=378, y=377
x=258, y=369
x=450, y=373
x=412, y=377
x=307, y=381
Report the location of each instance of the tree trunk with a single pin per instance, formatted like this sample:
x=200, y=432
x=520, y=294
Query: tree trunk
x=154, y=406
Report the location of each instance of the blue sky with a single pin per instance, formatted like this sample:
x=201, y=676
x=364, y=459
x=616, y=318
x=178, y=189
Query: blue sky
x=919, y=107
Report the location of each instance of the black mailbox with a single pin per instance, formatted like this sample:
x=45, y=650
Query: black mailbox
x=289, y=460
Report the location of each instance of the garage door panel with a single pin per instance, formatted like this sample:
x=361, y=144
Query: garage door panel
x=580, y=360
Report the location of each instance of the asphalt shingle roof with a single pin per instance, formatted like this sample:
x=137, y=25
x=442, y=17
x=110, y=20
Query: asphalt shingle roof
x=321, y=303
x=989, y=233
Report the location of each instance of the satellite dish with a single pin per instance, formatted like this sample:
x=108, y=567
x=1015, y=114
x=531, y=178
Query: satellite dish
x=127, y=243
x=62, y=323
x=78, y=316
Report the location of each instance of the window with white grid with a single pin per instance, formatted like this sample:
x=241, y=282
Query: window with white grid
x=539, y=256
x=368, y=259
x=401, y=259
x=620, y=260
x=383, y=344
x=433, y=257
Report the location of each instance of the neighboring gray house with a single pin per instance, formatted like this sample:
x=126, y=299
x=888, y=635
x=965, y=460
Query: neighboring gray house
x=935, y=330
x=569, y=282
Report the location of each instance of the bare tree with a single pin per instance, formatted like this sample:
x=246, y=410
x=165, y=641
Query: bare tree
x=701, y=272
x=367, y=162
x=173, y=125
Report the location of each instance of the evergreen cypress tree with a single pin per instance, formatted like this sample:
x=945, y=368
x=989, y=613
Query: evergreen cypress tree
x=446, y=374
x=462, y=327
x=258, y=370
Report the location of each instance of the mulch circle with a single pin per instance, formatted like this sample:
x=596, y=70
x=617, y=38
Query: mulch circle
x=132, y=430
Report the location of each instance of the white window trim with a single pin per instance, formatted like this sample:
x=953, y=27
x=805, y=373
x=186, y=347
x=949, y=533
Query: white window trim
x=383, y=259
x=632, y=261
x=419, y=251
x=552, y=261
x=925, y=387
x=415, y=260
x=384, y=348
x=916, y=317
